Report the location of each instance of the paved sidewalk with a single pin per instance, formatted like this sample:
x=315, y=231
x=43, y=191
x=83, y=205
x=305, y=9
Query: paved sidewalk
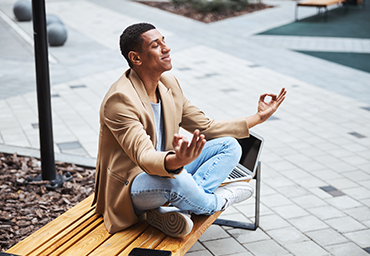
x=315, y=162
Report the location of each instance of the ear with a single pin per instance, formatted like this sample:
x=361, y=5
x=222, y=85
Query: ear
x=134, y=58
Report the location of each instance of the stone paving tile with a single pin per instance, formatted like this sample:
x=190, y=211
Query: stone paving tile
x=278, y=181
x=240, y=254
x=320, y=192
x=244, y=236
x=357, y=193
x=287, y=235
x=236, y=217
x=212, y=233
x=226, y=246
x=275, y=200
x=308, y=223
x=199, y=253
x=346, y=249
x=314, y=166
x=248, y=210
x=359, y=213
x=343, y=202
x=345, y=224
x=273, y=221
x=290, y=211
x=342, y=183
x=362, y=238
x=197, y=246
x=342, y=167
x=326, y=174
x=326, y=237
x=293, y=191
x=310, y=182
x=306, y=248
x=326, y=212
x=266, y=248
x=309, y=201
x=295, y=174
x=267, y=190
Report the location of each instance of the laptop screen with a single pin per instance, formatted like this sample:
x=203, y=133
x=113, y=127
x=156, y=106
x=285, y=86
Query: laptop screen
x=251, y=147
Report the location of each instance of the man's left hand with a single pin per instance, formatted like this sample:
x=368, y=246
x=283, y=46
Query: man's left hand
x=266, y=109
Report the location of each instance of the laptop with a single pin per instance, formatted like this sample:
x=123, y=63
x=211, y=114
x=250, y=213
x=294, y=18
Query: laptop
x=247, y=166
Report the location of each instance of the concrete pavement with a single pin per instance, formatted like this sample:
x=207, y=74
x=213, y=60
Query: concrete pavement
x=315, y=162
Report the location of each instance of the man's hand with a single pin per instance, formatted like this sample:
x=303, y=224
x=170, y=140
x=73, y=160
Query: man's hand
x=266, y=109
x=185, y=153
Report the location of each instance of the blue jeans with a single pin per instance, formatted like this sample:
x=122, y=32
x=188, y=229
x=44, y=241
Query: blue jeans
x=192, y=190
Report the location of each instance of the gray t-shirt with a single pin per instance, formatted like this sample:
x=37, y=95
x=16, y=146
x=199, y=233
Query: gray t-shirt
x=159, y=125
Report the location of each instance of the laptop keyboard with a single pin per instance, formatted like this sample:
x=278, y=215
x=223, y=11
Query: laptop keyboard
x=236, y=174
x=239, y=173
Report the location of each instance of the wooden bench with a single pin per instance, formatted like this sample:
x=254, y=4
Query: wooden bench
x=319, y=4
x=80, y=231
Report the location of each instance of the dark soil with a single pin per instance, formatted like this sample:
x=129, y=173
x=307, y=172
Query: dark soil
x=27, y=206
x=187, y=11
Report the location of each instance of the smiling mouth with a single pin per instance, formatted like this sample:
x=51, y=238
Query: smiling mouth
x=168, y=57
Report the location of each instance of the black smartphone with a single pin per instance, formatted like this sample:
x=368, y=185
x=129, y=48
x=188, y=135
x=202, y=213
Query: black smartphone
x=149, y=252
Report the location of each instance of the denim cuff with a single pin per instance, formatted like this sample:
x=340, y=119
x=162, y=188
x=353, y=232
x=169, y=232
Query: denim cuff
x=220, y=203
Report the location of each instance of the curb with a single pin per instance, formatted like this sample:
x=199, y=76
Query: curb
x=78, y=160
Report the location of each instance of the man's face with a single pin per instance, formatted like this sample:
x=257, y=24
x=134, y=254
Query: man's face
x=155, y=54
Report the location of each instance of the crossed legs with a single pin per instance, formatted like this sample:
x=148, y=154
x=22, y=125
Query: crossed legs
x=193, y=188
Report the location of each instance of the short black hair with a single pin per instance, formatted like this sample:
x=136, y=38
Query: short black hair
x=131, y=40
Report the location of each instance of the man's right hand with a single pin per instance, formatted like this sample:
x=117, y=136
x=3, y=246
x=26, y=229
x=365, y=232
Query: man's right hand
x=185, y=153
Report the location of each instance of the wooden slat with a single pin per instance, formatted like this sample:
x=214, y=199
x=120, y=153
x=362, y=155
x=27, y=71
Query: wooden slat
x=179, y=246
x=149, y=239
x=119, y=241
x=75, y=241
x=57, y=242
x=52, y=229
x=80, y=232
x=89, y=243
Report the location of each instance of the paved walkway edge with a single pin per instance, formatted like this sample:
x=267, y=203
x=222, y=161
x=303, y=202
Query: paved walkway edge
x=78, y=160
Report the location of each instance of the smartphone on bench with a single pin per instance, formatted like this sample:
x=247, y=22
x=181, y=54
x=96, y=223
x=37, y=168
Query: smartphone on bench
x=149, y=252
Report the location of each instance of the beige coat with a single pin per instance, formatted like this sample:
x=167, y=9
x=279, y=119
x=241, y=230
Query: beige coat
x=127, y=141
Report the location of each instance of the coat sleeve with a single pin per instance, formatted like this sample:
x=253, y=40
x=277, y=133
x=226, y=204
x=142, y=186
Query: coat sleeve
x=121, y=116
x=193, y=118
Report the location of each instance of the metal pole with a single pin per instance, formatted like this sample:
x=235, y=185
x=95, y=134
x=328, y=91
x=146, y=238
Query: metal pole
x=43, y=91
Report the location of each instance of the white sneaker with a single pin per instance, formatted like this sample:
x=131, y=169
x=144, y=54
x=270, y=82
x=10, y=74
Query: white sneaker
x=170, y=220
x=235, y=192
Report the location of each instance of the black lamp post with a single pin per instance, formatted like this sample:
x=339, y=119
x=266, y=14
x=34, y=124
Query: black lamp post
x=43, y=97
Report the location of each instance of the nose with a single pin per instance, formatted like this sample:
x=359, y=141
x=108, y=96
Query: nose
x=166, y=49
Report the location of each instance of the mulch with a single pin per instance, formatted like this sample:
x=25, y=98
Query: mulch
x=27, y=206
x=187, y=11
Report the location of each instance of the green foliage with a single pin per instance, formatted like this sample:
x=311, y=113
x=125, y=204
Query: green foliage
x=214, y=5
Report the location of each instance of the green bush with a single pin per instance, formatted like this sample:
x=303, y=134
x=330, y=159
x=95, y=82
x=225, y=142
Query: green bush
x=214, y=5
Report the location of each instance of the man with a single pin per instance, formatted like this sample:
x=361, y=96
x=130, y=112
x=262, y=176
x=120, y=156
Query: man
x=143, y=162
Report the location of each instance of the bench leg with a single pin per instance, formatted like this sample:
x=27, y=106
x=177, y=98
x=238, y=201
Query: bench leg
x=345, y=7
x=296, y=12
x=245, y=225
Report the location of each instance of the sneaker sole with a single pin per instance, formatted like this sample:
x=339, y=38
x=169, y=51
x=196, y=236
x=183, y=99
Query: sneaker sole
x=173, y=224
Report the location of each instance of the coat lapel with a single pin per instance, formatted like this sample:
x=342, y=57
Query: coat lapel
x=143, y=95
